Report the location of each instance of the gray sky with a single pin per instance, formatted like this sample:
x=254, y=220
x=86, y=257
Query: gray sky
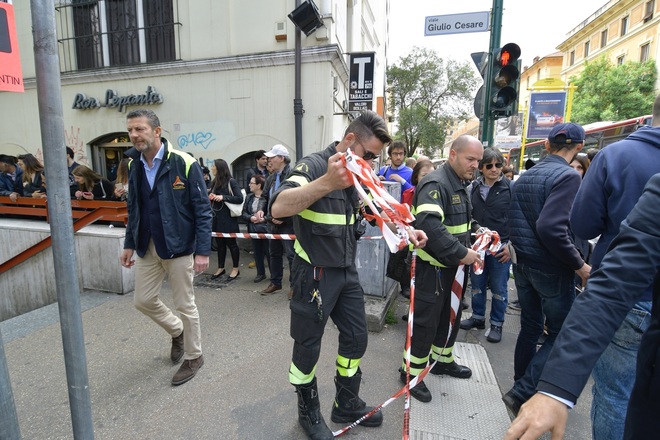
x=537, y=27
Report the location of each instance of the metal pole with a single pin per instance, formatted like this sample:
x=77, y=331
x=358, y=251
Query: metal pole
x=297, y=100
x=495, y=34
x=51, y=120
x=9, y=427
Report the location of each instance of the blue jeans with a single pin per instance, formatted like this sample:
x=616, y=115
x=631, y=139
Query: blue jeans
x=540, y=294
x=496, y=275
x=614, y=375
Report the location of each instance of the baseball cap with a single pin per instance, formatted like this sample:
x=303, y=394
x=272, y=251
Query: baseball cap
x=567, y=133
x=277, y=150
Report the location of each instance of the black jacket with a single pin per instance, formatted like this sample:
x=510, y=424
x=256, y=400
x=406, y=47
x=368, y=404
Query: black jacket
x=493, y=212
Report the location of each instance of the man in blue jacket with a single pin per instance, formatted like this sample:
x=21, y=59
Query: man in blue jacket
x=547, y=259
x=609, y=191
x=169, y=221
x=628, y=270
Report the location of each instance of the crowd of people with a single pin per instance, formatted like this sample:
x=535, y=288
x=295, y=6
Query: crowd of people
x=545, y=219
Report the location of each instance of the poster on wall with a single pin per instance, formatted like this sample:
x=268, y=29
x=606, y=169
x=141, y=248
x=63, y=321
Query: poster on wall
x=11, y=76
x=546, y=109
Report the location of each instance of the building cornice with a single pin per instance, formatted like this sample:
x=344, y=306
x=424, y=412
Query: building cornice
x=316, y=54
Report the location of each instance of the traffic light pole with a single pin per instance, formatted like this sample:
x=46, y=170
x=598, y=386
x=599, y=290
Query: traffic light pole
x=495, y=36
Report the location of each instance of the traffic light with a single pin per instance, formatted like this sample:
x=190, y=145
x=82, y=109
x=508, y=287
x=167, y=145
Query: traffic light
x=505, y=73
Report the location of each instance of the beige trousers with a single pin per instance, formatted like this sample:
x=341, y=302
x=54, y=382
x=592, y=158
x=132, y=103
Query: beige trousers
x=150, y=271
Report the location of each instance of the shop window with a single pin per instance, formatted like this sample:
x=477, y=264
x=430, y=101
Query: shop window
x=106, y=33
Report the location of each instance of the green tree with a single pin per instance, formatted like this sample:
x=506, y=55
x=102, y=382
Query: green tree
x=613, y=93
x=426, y=94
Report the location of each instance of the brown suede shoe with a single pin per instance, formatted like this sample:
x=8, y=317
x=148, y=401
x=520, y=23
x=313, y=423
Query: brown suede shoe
x=272, y=288
x=177, y=348
x=187, y=371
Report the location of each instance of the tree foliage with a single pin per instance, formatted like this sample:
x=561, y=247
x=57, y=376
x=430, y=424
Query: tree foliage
x=613, y=93
x=426, y=94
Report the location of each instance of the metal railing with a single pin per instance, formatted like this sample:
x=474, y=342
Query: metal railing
x=84, y=212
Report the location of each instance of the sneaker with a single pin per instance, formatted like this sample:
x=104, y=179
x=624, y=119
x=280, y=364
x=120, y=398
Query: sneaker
x=188, y=370
x=177, y=348
x=471, y=323
x=515, y=305
x=494, y=334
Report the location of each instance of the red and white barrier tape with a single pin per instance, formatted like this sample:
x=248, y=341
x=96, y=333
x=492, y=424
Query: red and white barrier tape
x=261, y=235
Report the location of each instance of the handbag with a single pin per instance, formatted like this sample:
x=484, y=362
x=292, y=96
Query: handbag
x=235, y=209
x=398, y=266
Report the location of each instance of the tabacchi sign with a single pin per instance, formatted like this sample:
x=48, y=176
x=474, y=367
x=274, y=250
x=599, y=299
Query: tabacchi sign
x=115, y=100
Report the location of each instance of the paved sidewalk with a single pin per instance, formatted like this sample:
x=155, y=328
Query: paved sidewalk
x=242, y=392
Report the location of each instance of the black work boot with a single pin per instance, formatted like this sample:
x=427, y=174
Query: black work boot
x=309, y=412
x=348, y=407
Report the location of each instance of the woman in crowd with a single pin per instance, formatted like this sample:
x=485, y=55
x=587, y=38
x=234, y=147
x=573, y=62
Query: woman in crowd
x=580, y=163
x=253, y=214
x=225, y=189
x=422, y=168
x=91, y=185
x=508, y=172
x=33, y=176
x=121, y=183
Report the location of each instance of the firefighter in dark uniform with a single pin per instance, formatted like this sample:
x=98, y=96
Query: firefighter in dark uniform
x=443, y=211
x=320, y=196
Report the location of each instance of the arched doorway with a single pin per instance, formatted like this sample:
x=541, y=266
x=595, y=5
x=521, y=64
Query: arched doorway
x=107, y=152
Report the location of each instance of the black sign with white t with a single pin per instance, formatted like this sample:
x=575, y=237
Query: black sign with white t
x=361, y=81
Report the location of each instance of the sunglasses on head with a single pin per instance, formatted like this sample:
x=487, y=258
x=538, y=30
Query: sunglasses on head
x=491, y=165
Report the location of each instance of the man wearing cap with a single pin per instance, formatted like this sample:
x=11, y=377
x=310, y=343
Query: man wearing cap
x=547, y=259
x=278, y=160
x=11, y=177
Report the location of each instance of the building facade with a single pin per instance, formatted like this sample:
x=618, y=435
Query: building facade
x=621, y=30
x=219, y=74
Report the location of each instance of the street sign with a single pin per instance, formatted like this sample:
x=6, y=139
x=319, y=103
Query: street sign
x=361, y=81
x=456, y=23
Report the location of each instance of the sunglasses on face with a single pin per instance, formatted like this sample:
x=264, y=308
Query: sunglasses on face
x=369, y=156
x=491, y=165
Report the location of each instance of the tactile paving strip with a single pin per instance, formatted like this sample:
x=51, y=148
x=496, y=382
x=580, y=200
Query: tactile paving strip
x=469, y=409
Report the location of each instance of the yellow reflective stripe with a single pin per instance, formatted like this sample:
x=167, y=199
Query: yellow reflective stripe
x=442, y=355
x=422, y=254
x=298, y=249
x=414, y=360
x=345, y=368
x=187, y=158
x=326, y=219
x=300, y=180
x=430, y=207
x=297, y=377
x=458, y=229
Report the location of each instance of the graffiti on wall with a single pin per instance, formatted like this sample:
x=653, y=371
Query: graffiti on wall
x=74, y=141
x=197, y=139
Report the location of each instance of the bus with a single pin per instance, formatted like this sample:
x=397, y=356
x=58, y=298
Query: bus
x=598, y=135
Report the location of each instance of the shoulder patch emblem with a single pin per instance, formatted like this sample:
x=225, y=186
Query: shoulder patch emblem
x=178, y=184
x=302, y=167
x=455, y=199
x=434, y=194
